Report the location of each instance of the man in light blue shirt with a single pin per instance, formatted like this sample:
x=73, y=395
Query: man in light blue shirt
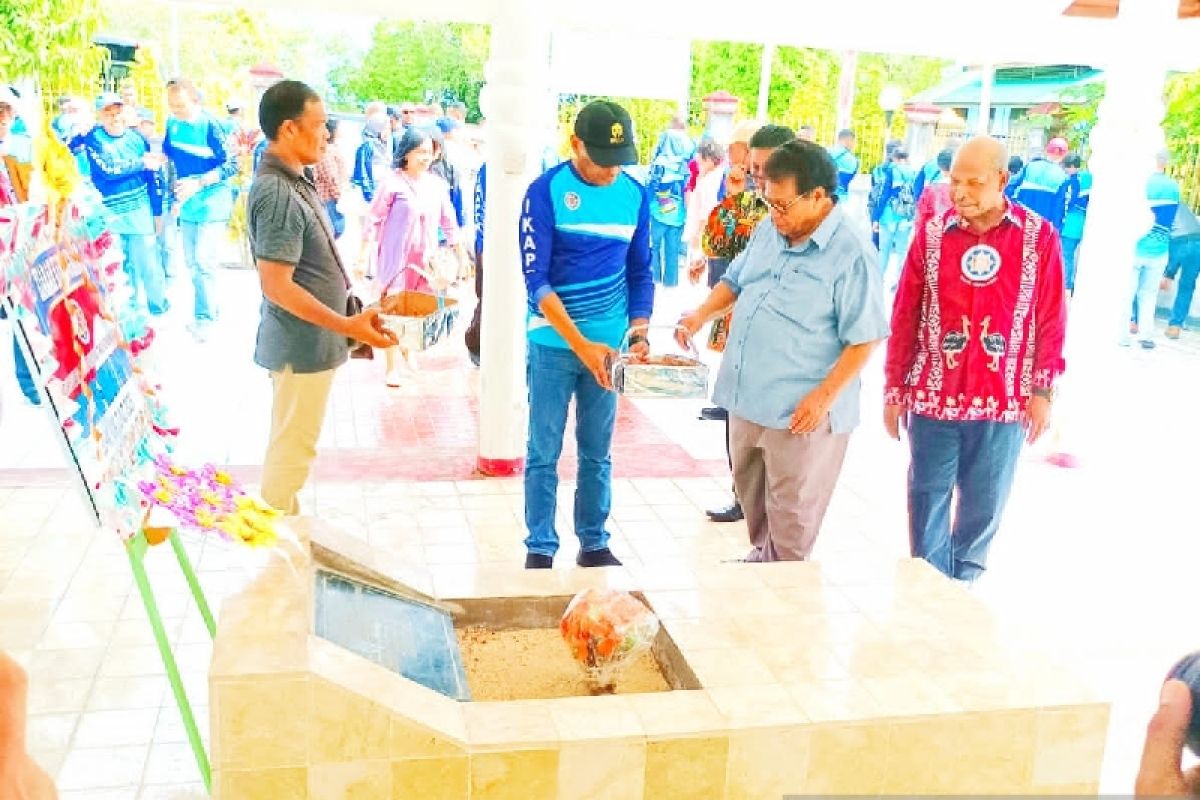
x=196, y=143
x=1152, y=254
x=845, y=161
x=808, y=311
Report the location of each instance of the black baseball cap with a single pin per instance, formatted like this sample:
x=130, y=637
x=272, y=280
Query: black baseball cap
x=607, y=134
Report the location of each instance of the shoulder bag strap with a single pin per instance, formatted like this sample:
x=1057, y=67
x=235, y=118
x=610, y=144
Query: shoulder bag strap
x=309, y=195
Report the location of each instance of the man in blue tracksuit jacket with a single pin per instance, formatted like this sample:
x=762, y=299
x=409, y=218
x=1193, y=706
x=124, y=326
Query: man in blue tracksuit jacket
x=1152, y=254
x=121, y=166
x=1043, y=186
x=197, y=145
x=846, y=162
x=1078, y=195
x=585, y=249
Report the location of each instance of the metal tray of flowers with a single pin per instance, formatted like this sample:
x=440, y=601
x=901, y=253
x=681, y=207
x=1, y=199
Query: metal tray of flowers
x=665, y=375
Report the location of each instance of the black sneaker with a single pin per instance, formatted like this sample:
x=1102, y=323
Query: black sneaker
x=538, y=561
x=731, y=513
x=597, y=558
x=1147, y=344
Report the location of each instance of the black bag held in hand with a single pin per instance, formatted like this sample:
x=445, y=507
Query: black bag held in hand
x=357, y=349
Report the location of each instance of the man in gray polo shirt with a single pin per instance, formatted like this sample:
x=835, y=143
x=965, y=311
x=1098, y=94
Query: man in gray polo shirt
x=304, y=334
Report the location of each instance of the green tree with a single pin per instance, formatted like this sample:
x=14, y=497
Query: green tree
x=51, y=41
x=217, y=48
x=804, y=89
x=413, y=61
x=731, y=66
x=876, y=71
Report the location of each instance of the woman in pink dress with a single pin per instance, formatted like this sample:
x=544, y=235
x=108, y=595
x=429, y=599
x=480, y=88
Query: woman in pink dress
x=407, y=213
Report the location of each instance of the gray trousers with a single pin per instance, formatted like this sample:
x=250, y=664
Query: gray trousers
x=784, y=483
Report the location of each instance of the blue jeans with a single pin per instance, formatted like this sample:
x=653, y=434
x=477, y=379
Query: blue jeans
x=336, y=218
x=1144, y=281
x=979, y=460
x=893, y=239
x=24, y=376
x=145, y=271
x=1185, y=258
x=1070, y=250
x=666, y=248
x=201, y=243
x=165, y=241
x=555, y=376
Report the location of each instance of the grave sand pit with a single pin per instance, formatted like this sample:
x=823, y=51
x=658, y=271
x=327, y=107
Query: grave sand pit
x=535, y=664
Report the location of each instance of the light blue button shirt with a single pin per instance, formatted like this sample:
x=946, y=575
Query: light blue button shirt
x=798, y=308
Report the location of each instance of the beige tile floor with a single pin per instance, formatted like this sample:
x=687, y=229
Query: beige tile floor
x=102, y=717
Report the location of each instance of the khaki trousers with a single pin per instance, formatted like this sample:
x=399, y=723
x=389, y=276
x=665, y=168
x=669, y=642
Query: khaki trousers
x=784, y=483
x=297, y=414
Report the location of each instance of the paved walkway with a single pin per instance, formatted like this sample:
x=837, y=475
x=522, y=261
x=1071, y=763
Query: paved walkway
x=1096, y=564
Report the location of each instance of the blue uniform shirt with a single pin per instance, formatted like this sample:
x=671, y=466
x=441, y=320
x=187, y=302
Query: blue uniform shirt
x=590, y=245
x=1163, y=194
x=1043, y=189
x=119, y=174
x=798, y=308
x=847, y=167
x=197, y=148
x=1079, y=194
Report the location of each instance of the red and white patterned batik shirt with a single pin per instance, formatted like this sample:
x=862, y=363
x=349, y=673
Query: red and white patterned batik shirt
x=979, y=320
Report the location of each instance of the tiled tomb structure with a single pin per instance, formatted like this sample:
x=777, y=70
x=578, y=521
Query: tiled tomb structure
x=791, y=678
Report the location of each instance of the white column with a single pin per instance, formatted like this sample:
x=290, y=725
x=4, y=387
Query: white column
x=1127, y=135
x=987, y=78
x=515, y=100
x=764, y=81
x=845, y=98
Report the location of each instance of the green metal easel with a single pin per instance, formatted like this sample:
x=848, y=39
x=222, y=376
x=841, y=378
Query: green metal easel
x=137, y=548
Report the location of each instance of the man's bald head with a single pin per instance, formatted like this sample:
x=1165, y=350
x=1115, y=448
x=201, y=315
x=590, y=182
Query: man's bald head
x=987, y=150
x=977, y=180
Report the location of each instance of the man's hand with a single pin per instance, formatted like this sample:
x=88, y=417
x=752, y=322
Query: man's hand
x=1037, y=418
x=639, y=351
x=690, y=322
x=895, y=417
x=696, y=270
x=810, y=412
x=598, y=358
x=1165, y=283
x=368, y=328
x=1161, y=773
x=186, y=188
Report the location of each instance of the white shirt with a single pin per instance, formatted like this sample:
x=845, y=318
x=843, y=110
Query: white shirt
x=701, y=202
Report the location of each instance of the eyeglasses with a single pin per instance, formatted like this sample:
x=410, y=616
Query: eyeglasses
x=783, y=208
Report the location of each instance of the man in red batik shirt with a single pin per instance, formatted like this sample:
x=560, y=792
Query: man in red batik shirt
x=976, y=345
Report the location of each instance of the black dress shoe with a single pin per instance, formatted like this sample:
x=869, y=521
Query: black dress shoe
x=714, y=413
x=597, y=558
x=538, y=561
x=731, y=513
